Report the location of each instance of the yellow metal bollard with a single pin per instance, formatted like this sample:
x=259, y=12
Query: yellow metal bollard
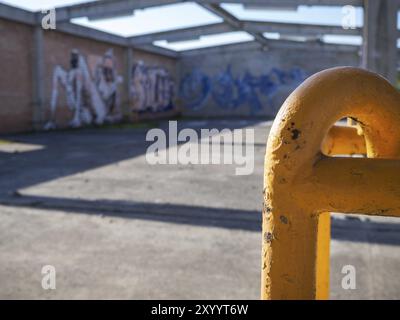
x=303, y=184
x=344, y=140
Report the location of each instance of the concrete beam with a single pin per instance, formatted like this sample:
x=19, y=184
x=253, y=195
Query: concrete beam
x=97, y=8
x=93, y=34
x=182, y=34
x=297, y=29
x=313, y=46
x=16, y=14
x=158, y=50
x=273, y=44
x=26, y=17
x=126, y=106
x=38, y=99
x=287, y=3
x=234, y=22
x=380, y=37
x=253, y=26
x=222, y=13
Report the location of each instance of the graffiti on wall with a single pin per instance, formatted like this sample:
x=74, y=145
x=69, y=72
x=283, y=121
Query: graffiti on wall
x=152, y=89
x=229, y=92
x=91, y=89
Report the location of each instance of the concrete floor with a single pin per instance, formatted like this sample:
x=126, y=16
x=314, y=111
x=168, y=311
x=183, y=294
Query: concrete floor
x=113, y=226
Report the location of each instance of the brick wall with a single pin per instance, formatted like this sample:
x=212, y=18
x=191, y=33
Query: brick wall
x=15, y=77
x=16, y=87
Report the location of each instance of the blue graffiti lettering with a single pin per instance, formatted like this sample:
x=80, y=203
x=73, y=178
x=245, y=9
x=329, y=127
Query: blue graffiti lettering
x=230, y=92
x=194, y=89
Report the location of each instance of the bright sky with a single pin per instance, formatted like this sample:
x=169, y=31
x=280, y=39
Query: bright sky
x=190, y=14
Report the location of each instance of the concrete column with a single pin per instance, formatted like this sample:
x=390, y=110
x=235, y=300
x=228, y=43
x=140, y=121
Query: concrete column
x=38, y=78
x=126, y=108
x=380, y=37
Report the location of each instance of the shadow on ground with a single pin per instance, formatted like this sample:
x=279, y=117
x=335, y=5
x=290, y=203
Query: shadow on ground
x=347, y=229
x=65, y=153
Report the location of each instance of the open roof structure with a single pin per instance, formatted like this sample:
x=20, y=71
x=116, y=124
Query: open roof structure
x=218, y=22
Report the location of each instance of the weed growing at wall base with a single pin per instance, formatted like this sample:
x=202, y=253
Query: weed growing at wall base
x=209, y=146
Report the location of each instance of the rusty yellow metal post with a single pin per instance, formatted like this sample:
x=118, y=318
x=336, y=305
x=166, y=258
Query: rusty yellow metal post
x=302, y=184
x=342, y=140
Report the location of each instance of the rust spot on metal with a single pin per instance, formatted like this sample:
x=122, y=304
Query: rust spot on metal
x=282, y=180
x=356, y=120
x=293, y=272
x=295, y=134
x=268, y=237
x=287, y=278
x=283, y=219
x=266, y=209
x=356, y=173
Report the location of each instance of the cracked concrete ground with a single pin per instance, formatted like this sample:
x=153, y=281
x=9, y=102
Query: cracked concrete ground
x=88, y=203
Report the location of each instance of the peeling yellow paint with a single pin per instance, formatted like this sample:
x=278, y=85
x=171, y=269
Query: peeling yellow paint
x=343, y=140
x=296, y=259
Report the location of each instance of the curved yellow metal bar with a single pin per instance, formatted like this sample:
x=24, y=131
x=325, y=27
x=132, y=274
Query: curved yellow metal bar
x=301, y=184
x=343, y=140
